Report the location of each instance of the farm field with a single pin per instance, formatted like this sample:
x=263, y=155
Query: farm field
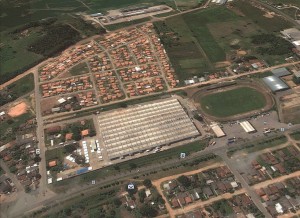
x=286, y=2
x=196, y=42
x=232, y=102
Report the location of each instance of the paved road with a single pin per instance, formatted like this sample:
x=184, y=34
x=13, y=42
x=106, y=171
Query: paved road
x=245, y=185
x=40, y=136
x=214, y=81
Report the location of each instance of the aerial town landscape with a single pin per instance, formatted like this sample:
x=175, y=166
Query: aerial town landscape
x=150, y=108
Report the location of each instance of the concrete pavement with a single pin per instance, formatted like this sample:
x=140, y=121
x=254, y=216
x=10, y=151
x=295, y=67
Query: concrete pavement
x=245, y=185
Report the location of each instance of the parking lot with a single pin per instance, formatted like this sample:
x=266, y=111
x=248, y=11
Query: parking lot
x=261, y=123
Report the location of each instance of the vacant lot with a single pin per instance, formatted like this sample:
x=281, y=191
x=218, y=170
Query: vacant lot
x=274, y=24
x=232, y=102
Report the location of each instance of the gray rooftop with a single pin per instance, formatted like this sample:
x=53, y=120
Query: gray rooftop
x=145, y=127
x=279, y=72
x=275, y=84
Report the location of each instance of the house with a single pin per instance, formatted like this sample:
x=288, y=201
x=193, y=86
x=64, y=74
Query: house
x=181, y=201
x=5, y=185
x=52, y=163
x=53, y=130
x=174, y=203
x=85, y=133
x=207, y=192
x=188, y=200
x=69, y=136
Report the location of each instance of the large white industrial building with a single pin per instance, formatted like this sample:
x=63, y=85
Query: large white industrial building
x=246, y=125
x=144, y=127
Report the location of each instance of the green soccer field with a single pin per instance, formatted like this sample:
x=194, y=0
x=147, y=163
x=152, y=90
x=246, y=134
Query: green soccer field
x=232, y=102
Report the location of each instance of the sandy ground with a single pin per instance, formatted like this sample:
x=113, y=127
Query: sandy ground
x=222, y=64
x=241, y=52
x=18, y=109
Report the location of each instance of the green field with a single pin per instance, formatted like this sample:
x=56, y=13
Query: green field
x=274, y=24
x=232, y=102
x=79, y=69
x=116, y=26
x=22, y=86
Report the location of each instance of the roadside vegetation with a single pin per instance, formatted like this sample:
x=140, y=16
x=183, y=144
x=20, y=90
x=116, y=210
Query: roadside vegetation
x=258, y=145
x=116, y=26
x=17, y=89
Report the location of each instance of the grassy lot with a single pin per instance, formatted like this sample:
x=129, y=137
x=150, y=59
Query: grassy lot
x=116, y=26
x=286, y=2
x=8, y=128
x=202, y=33
x=274, y=24
x=232, y=102
x=22, y=86
x=295, y=135
x=259, y=144
x=14, y=54
x=79, y=69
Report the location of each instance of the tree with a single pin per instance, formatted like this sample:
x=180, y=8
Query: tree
x=37, y=159
x=92, y=132
x=132, y=165
x=185, y=181
x=148, y=211
x=147, y=183
x=142, y=195
x=117, y=202
x=13, y=169
x=27, y=189
x=117, y=167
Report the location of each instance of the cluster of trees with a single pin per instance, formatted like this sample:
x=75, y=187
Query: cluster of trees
x=76, y=130
x=271, y=44
x=184, y=181
x=44, y=23
x=56, y=39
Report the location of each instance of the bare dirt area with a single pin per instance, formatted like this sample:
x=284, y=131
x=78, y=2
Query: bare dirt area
x=47, y=104
x=18, y=109
x=290, y=105
x=241, y=52
x=251, y=84
x=269, y=15
x=222, y=64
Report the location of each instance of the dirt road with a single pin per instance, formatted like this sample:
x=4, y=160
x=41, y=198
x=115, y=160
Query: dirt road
x=275, y=180
x=158, y=182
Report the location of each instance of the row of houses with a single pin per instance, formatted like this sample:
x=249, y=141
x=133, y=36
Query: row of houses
x=68, y=59
x=68, y=85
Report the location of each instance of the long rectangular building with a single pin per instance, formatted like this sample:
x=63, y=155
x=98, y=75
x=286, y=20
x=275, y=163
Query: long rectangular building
x=217, y=130
x=143, y=127
x=246, y=125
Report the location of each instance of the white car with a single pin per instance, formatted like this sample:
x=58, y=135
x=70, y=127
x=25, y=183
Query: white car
x=38, y=151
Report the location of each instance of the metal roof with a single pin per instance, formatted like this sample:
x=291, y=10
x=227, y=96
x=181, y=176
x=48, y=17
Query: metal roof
x=279, y=72
x=275, y=84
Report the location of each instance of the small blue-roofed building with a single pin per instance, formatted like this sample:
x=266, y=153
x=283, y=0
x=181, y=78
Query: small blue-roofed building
x=82, y=170
x=275, y=83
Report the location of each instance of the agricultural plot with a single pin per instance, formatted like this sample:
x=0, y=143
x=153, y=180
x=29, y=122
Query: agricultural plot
x=200, y=41
x=232, y=102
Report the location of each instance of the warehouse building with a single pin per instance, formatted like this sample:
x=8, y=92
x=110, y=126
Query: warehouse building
x=275, y=83
x=144, y=127
x=246, y=125
x=279, y=72
x=217, y=130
